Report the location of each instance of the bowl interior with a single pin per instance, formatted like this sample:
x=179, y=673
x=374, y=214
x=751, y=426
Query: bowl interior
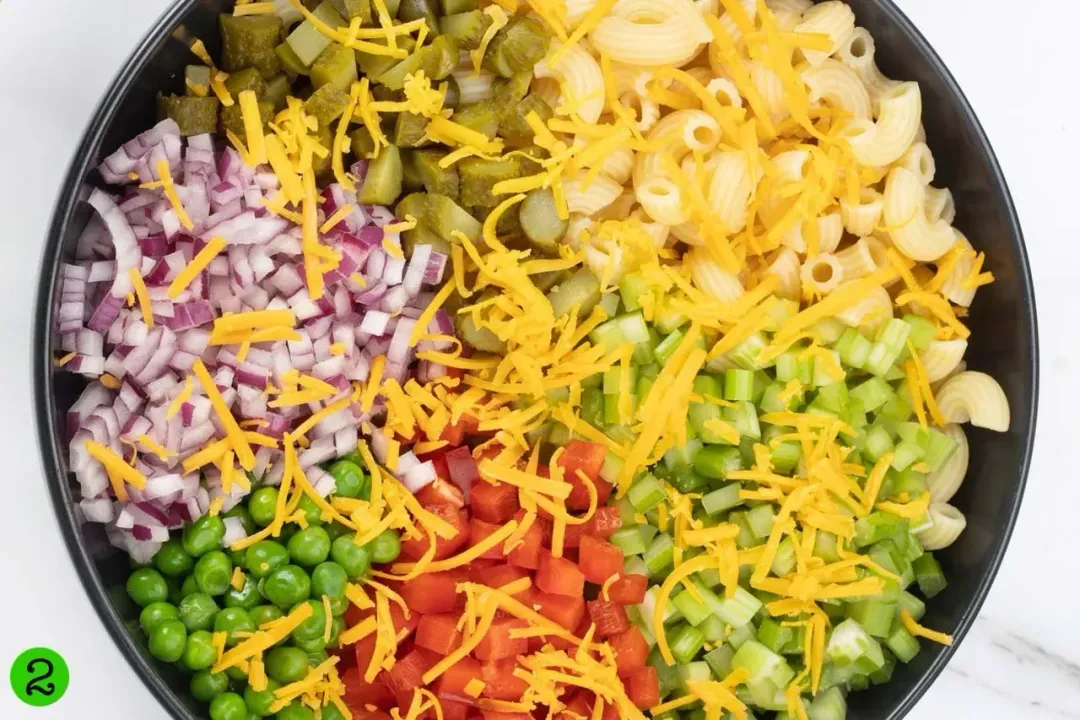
x=1002, y=320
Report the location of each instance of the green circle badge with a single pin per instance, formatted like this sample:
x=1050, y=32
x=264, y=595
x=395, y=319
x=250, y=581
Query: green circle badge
x=39, y=677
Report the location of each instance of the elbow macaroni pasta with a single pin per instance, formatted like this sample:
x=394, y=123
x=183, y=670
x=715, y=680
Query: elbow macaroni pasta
x=944, y=483
x=941, y=357
x=862, y=218
x=974, y=397
x=786, y=267
x=713, y=279
x=581, y=84
x=591, y=198
x=905, y=215
x=821, y=274
x=651, y=32
x=834, y=19
x=838, y=85
x=946, y=525
x=883, y=141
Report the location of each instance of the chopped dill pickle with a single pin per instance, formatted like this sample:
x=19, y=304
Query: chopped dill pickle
x=414, y=204
x=512, y=126
x=195, y=115
x=581, y=289
x=423, y=235
x=382, y=185
x=249, y=41
x=350, y=9
x=442, y=181
x=452, y=94
x=452, y=7
x=478, y=338
x=290, y=61
x=307, y=41
x=232, y=118
x=335, y=66
x=362, y=144
x=326, y=104
x=509, y=92
x=409, y=130
x=276, y=92
x=199, y=76
x=540, y=220
x=246, y=79
x=483, y=117
x=325, y=137
x=410, y=10
x=466, y=28
x=479, y=176
x=444, y=216
x=375, y=65
x=518, y=46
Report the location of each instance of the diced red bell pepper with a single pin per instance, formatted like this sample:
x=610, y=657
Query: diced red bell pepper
x=456, y=433
x=441, y=492
x=479, y=531
x=527, y=554
x=453, y=710
x=397, y=616
x=408, y=671
x=414, y=548
x=493, y=502
x=365, y=714
x=643, y=687
x=573, y=534
x=629, y=589
x=605, y=522
x=451, y=684
x=583, y=455
x=500, y=683
x=438, y=633
x=498, y=643
x=359, y=693
x=497, y=715
x=631, y=650
x=609, y=617
x=498, y=575
x=599, y=560
x=559, y=576
x=431, y=593
x=578, y=706
x=563, y=610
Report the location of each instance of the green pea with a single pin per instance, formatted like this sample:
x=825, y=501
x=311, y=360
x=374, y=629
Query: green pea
x=246, y=597
x=312, y=512
x=354, y=457
x=197, y=611
x=259, y=702
x=310, y=645
x=238, y=557
x=167, y=641
x=228, y=706
x=329, y=579
x=309, y=546
x=146, y=585
x=264, y=557
x=337, y=624
x=295, y=711
x=287, y=532
x=199, y=651
x=354, y=559
x=189, y=587
x=205, y=685
x=262, y=505
x=287, y=586
x=172, y=559
x=317, y=657
x=156, y=613
x=237, y=674
x=330, y=712
x=350, y=480
x=233, y=620
x=213, y=573
x=265, y=613
x=287, y=664
x=315, y=624
x=176, y=588
x=239, y=511
x=386, y=547
x=203, y=535
x=335, y=530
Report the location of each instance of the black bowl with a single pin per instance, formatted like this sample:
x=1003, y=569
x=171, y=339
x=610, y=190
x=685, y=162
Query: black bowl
x=1004, y=340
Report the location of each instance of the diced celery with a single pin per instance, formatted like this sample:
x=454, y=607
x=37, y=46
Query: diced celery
x=692, y=609
x=660, y=555
x=929, y=575
x=668, y=674
x=787, y=366
x=761, y=663
x=876, y=617
x=905, y=454
x=773, y=635
x=785, y=457
x=699, y=415
x=741, y=635
x=738, y=385
x=876, y=443
x=646, y=493
x=902, y=643
x=667, y=347
x=829, y=705
x=722, y=499
x=851, y=644
x=922, y=330
x=939, y=448
x=631, y=287
x=784, y=561
x=873, y=393
x=737, y=611
x=714, y=629
x=719, y=660
x=745, y=419
x=694, y=672
x=914, y=605
x=823, y=371
x=833, y=396
x=609, y=471
x=760, y=519
x=875, y=527
x=825, y=547
x=629, y=540
x=648, y=607
x=746, y=353
x=682, y=456
x=635, y=565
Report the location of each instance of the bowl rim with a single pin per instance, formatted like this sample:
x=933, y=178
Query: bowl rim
x=63, y=502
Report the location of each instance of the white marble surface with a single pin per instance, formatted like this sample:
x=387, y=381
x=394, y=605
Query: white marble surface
x=1016, y=61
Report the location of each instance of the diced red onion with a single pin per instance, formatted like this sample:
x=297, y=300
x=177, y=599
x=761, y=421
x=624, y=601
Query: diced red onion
x=419, y=476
